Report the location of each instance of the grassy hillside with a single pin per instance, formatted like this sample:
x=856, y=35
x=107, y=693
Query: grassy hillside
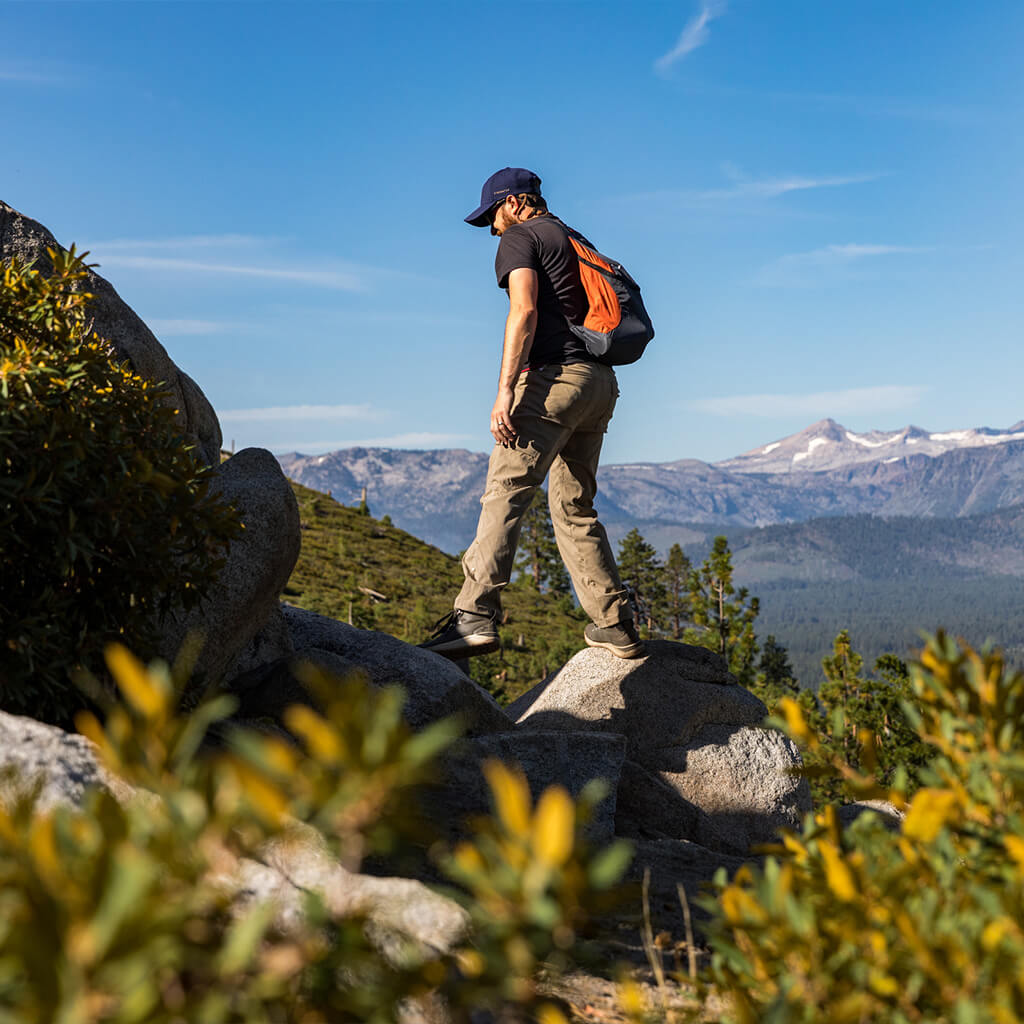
x=358, y=569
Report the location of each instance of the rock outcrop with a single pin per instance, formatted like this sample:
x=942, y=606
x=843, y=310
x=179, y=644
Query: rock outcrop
x=113, y=319
x=240, y=621
x=58, y=767
x=404, y=919
x=690, y=731
x=434, y=687
x=571, y=760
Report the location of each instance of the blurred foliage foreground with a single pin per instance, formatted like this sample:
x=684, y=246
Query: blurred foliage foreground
x=921, y=924
x=120, y=912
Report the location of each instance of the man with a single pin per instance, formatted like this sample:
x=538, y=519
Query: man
x=553, y=406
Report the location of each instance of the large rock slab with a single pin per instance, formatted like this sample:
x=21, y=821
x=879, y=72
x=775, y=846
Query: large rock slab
x=741, y=779
x=889, y=814
x=434, y=687
x=114, y=320
x=59, y=767
x=689, y=726
x=571, y=760
x=403, y=917
x=661, y=701
x=245, y=597
x=649, y=808
x=405, y=920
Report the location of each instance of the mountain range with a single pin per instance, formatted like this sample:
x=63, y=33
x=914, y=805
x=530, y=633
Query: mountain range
x=824, y=470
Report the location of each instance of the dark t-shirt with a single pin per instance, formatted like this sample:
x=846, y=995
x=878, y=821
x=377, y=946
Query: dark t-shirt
x=540, y=244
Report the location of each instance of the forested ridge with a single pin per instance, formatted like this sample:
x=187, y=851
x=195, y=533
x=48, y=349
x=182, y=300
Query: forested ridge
x=884, y=579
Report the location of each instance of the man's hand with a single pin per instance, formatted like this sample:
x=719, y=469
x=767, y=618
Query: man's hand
x=501, y=418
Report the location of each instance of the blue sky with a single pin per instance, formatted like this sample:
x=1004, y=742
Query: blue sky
x=822, y=201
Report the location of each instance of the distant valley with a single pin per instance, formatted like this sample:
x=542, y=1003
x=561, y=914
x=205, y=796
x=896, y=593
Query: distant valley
x=930, y=525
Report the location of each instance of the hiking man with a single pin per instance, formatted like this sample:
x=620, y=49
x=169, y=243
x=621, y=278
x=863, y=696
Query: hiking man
x=552, y=409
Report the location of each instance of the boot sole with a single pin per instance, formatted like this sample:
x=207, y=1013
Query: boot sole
x=636, y=650
x=467, y=647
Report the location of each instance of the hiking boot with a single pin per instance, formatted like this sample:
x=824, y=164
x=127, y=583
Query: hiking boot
x=621, y=639
x=463, y=635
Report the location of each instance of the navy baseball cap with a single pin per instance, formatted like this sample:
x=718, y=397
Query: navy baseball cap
x=509, y=181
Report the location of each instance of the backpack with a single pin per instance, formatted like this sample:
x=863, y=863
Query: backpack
x=616, y=329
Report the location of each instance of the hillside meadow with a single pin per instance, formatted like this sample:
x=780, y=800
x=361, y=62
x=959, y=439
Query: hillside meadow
x=364, y=571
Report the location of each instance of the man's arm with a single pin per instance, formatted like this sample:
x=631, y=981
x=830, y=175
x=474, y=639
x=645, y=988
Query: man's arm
x=519, y=329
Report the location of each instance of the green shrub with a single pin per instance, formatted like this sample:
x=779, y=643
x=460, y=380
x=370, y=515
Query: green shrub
x=534, y=886
x=119, y=913
x=106, y=519
x=922, y=924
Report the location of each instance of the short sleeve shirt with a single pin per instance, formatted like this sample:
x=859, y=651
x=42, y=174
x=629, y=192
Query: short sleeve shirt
x=540, y=244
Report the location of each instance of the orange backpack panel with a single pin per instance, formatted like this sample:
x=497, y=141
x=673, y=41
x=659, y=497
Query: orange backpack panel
x=605, y=312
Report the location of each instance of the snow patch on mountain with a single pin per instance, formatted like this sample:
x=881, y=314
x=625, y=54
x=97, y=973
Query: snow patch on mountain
x=828, y=445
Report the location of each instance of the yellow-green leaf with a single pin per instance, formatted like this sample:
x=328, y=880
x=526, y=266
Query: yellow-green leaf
x=929, y=811
x=837, y=873
x=554, y=825
x=511, y=796
x=141, y=689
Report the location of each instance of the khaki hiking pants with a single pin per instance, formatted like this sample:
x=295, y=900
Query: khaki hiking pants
x=561, y=414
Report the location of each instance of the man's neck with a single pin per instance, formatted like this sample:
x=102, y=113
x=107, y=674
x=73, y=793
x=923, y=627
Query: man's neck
x=531, y=212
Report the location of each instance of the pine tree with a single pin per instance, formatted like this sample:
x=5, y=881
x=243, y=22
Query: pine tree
x=775, y=678
x=842, y=692
x=676, y=582
x=539, y=564
x=724, y=615
x=851, y=703
x=641, y=571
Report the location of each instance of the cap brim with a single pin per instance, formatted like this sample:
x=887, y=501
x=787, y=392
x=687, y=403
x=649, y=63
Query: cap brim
x=478, y=218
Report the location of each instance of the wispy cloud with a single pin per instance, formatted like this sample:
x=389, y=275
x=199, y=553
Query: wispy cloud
x=769, y=188
x=901, y=108
x=695, y=34
x=189, y=328
x=819, y=404
x=742, y=187
x=279, y=413
x=27, y=76
x=423, y=439
x=339, y=280
x=803, y=268
x=182, y=242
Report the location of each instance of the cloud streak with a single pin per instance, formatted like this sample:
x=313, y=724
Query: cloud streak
x=882, y=398
x=694, y=35
x=770, y=188
x=293, y=413
x=182, y=242
x=189, y=328
x=337, y=280
x=893, y=107
x=27, y=77
x=743, y=188
x=802, y=268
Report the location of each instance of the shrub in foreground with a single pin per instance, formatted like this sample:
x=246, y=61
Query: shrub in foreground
x=107, y=520
x=119, y=913
x=923, y=924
